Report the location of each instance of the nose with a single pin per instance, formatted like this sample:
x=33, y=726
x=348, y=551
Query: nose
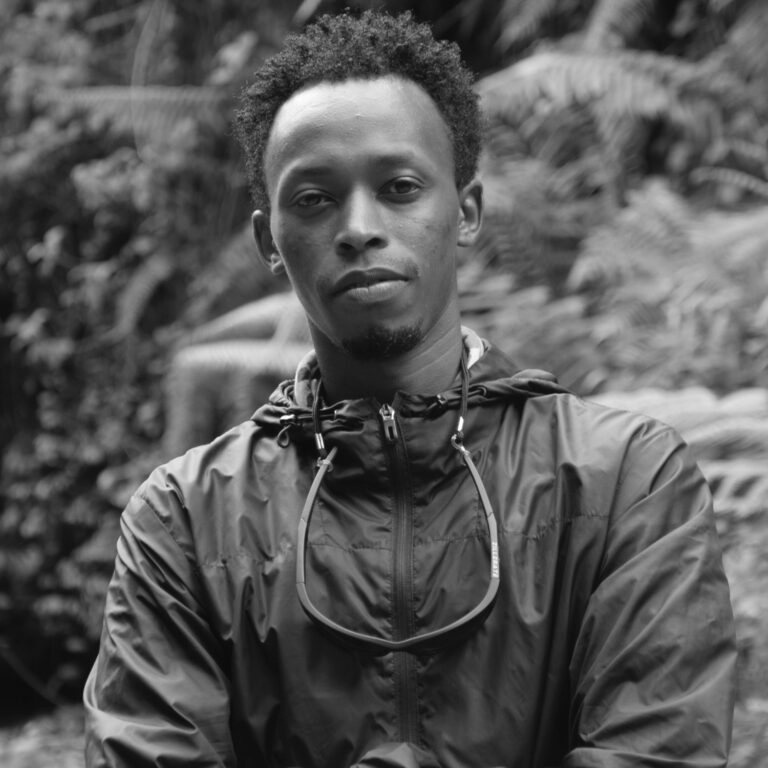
x=361, y=226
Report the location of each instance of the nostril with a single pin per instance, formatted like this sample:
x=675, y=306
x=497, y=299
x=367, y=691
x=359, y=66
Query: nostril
x=346, y=248
x=350, y=244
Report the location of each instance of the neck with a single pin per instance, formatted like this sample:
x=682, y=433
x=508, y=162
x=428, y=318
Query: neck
x=429, y=368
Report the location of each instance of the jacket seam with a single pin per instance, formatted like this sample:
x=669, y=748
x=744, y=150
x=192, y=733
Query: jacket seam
x=197, y=566
x=475, y=536
x=222, y=561
x=544, y=530
x=350, y=547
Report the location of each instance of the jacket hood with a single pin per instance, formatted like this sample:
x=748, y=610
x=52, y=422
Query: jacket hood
x=290, y=405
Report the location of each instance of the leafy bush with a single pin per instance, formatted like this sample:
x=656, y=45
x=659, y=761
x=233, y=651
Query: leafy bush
x=661, y=296
x=100, y=239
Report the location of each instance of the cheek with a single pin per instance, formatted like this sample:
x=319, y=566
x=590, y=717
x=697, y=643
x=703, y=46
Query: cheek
x=305, y=238
x=285, y=237
x=302, y=254
x=435, y=239
x=432, y=229
x=295, y=246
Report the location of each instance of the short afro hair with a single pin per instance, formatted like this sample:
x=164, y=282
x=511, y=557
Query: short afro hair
x=349, y=47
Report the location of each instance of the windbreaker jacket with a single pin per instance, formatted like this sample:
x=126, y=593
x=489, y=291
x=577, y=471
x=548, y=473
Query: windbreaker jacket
x=610, y=643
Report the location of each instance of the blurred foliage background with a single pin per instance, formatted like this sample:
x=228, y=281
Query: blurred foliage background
x=625, y=248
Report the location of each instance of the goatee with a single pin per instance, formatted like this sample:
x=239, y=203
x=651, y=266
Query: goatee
x=382, y=343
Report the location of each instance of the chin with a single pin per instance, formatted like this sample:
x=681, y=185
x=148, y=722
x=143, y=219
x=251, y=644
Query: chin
x=379, y=343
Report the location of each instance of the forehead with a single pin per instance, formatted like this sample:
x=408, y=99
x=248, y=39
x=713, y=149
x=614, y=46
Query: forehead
x=381, y=116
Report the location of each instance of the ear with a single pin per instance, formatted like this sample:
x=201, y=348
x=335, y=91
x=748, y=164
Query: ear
x=470, y=212
x=265, y=244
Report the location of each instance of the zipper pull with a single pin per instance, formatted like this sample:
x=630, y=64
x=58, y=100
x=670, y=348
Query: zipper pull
x=387, y=415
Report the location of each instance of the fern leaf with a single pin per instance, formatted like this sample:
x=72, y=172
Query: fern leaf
x=653, y=230
x=232, y=278
x=739, y=487
x=727, y=437
x=741, y=148
x=136, y=296
x=718, y=233
x=720, y=7
x=305, y=12
x=613, y=23
x=730, y=177
x=150, y=112
x=471, y=13
x=523, y=21
x=636, y=84
x=746, y=40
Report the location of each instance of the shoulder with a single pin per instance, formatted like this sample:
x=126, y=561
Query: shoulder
x=200, y=497
x=565, y=418
x=615, y=457
x=227, y=455
x=599, y=433
x=598, y=444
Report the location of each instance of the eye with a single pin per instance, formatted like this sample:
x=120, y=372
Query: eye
x=311, y=198
x=403, y=187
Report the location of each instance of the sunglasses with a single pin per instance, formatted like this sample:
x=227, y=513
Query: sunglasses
x=441, y=637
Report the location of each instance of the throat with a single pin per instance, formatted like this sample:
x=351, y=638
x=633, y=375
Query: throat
x=429, y=367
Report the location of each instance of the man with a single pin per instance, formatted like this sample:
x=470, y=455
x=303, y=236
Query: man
x=409, y=556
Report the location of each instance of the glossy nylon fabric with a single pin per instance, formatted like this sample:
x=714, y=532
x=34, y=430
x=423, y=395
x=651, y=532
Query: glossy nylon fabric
x=611, y=642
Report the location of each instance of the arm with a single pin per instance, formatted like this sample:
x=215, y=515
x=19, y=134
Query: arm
x=157, y=694
x=653, y=670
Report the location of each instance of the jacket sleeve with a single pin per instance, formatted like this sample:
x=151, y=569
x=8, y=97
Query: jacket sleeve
x=653, y=670
x=157, y=694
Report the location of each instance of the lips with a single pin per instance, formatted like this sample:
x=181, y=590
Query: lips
x=366, y=279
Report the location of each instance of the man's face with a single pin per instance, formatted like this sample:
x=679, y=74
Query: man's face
x=365, y=214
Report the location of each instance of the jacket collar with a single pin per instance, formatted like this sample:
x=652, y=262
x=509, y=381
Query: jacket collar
x=309, y=370
x=492, y=379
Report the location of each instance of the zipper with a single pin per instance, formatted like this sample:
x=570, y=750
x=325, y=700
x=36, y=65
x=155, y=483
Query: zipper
x=388, y=422
x=402, y=571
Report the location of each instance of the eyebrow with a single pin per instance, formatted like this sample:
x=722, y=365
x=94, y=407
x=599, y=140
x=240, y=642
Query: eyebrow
x=383, y=161
x=398, y=158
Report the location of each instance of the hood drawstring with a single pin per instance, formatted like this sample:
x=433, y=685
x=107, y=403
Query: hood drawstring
x=457, y=441
x=324, y=457
x=319, y=442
